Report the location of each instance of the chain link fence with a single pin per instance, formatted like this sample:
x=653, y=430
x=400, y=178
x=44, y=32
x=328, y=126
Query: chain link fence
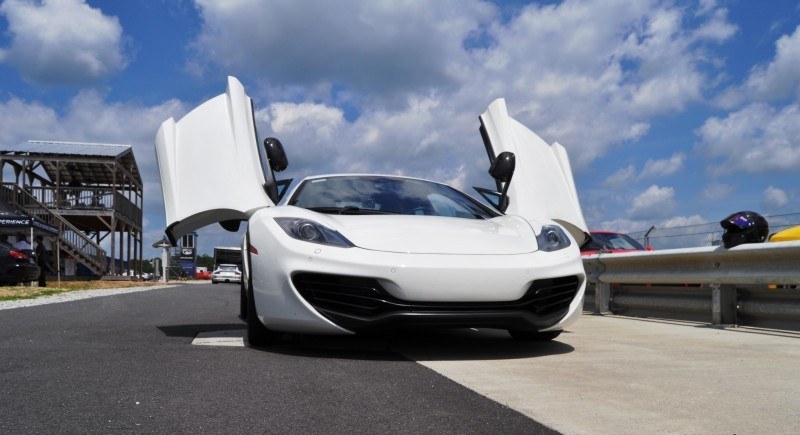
x=707, y=234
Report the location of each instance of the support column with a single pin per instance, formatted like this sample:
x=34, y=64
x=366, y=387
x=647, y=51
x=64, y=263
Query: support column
x=602, y=298
x=723, y=304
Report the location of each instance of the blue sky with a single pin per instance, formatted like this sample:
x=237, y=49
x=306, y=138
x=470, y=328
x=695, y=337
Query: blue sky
x=673, y=112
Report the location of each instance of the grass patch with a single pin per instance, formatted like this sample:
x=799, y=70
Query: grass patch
x=11, y=293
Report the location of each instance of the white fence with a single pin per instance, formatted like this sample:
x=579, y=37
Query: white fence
x=748, y=284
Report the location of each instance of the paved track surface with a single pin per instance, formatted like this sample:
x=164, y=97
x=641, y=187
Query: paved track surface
x=126, y=363
x=620, y=375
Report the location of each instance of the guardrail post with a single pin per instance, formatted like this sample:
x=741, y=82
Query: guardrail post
x=723, y=304
x=602, y=297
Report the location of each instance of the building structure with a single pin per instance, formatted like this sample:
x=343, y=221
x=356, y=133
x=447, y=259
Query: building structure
x=91, y=192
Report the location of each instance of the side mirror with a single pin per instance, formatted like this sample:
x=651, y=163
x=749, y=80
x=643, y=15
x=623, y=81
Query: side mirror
x=275, y=154
x=502, y=168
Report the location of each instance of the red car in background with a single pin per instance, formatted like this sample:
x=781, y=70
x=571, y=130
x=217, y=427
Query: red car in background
x=611, y=241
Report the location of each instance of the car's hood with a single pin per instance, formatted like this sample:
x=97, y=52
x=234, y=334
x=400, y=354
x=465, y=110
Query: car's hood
x=437, y=235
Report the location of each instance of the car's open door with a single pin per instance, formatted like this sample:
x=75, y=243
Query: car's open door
x=542, y=186
x=213, y=168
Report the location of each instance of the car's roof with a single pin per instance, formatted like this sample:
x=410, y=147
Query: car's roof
x=404, y=177
x=605, y=232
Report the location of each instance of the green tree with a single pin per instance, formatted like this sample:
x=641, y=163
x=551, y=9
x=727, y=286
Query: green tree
x=205, y=260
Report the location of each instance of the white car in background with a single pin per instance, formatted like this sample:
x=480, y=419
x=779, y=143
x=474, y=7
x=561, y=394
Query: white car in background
x=345, y=253
x=226, y=273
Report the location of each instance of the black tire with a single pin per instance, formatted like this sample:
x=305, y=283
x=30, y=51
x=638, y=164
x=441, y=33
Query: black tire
x=533, y=335
x=242, y=301
x=257, y=333
x=213, y=282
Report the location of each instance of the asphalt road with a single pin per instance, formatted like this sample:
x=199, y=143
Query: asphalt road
x=126, y=363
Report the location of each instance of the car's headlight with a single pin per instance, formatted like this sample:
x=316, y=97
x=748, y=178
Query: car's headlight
x=552, y=238
x=310, y=231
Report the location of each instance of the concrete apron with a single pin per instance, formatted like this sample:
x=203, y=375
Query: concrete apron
x=624, y=375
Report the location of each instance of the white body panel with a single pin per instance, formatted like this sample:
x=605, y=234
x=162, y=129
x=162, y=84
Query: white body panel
x=411, y=277
x=435, y=234
x=542, y=187
x=210, y=165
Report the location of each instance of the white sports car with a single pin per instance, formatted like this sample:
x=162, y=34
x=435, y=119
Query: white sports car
x=346, y=253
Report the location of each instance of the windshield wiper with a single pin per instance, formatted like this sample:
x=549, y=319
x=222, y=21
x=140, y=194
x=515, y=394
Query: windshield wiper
x=350, y=209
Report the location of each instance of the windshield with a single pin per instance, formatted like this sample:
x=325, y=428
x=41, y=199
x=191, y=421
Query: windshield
x=386, y=195
x=612, y=241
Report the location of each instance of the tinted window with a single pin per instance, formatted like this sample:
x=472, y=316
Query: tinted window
x=612, y=241
x=386, y=195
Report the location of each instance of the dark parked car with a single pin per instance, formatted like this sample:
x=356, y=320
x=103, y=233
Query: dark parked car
x=16, y=266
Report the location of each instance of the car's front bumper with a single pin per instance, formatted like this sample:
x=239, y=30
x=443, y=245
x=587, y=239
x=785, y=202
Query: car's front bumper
x=411, y=289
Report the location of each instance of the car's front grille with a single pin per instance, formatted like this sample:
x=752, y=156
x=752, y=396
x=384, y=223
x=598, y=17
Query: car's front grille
x=365, y=297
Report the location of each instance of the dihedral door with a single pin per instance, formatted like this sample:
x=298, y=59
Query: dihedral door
x=542, y=186
x=212, y=166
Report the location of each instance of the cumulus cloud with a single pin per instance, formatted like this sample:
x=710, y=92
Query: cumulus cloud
x=775, y=198
x=716, y=192
x=655, y=202
x=621, y=177
x=362, y=46
x=589, y=74
x=62, y=42
x=757, y=139
x=653, y=168
x=663, y=167
x=682, y=221
x=776, y=80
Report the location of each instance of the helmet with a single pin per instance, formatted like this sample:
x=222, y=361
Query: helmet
x=744, y=227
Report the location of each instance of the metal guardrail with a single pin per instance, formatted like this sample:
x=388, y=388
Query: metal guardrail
x=724, y=286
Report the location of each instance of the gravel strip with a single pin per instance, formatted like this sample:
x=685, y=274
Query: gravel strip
x=76, y=296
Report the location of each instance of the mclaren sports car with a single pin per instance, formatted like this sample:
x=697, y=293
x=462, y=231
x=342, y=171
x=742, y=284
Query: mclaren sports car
x=353, y=253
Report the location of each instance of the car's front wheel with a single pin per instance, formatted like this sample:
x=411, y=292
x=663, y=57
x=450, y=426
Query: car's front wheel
x=257, y=333
x=242, y=301
x=533, y=335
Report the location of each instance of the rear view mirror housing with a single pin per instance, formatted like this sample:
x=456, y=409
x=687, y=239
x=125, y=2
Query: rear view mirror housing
x=502, y=168
x=275, y=154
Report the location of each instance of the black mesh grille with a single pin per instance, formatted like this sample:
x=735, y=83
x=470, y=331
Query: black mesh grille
x=364, y=297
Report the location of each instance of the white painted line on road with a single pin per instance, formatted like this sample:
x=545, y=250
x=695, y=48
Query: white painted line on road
x=78, y=295
x=233, y=338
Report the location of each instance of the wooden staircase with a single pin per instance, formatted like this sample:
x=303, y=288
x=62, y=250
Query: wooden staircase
x=73, y=241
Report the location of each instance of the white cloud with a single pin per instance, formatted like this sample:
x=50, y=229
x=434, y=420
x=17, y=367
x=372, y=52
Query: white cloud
x=717, y=28
x=663, y=167
x=318, y=120
x=758, y=138
x=590, y=74
x=716, y=192
x=62, y=42
x=775, y=198
x=682, y=221
x=653, y=168
x=361, y=45
x=777, y=80
x=621, y=177
x=654, y=203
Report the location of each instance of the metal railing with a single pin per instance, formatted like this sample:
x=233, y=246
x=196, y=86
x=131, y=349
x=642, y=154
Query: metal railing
x=706, y=234
x=748, y=284
x=73, y=240
x=86, y=198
